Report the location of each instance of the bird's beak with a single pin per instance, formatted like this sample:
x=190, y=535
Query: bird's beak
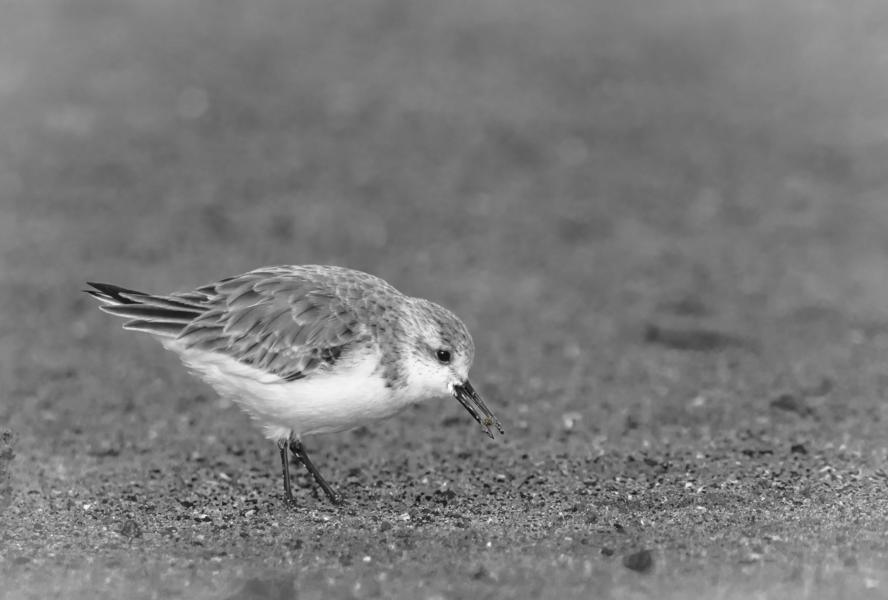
x=472, y=402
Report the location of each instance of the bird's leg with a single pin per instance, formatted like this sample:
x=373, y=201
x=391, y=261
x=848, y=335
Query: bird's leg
x=299, y=452
x=283, y=446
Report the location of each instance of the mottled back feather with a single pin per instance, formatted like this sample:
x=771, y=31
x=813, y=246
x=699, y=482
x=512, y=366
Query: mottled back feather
x=291, y=321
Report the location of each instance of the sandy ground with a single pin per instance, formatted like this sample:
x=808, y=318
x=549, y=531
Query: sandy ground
x=665, y=227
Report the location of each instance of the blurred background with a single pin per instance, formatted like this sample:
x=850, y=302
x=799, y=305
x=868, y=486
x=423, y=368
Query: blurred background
x=496, y=146
x=571, y=177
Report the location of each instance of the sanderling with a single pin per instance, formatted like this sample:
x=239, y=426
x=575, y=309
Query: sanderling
x=310, y=349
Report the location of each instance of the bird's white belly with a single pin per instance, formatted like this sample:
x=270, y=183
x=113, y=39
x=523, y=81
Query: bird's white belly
x=351, y=395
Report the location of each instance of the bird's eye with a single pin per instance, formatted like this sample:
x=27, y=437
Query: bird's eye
x=443, y=356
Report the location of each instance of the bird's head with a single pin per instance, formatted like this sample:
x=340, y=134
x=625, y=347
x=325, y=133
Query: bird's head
x=440, y=353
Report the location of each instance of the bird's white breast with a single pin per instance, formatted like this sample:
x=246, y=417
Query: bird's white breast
x=351, y=394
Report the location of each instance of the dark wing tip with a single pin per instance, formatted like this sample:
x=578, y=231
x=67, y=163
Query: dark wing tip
x=108, y=290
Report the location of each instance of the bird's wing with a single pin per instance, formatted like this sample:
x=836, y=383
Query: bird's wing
x=282, y=322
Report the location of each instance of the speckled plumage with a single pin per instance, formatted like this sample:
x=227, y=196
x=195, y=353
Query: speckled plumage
x=309, y=349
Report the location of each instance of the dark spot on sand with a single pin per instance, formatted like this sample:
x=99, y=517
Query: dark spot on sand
x=641, y=561
x=692, y=338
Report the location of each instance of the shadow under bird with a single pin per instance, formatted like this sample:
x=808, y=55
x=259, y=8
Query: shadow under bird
x=310, y=349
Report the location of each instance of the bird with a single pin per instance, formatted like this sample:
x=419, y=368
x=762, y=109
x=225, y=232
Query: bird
x=309, y=349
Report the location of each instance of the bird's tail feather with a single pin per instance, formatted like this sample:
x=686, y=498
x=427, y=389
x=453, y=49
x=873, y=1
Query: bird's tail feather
x=163, y=316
